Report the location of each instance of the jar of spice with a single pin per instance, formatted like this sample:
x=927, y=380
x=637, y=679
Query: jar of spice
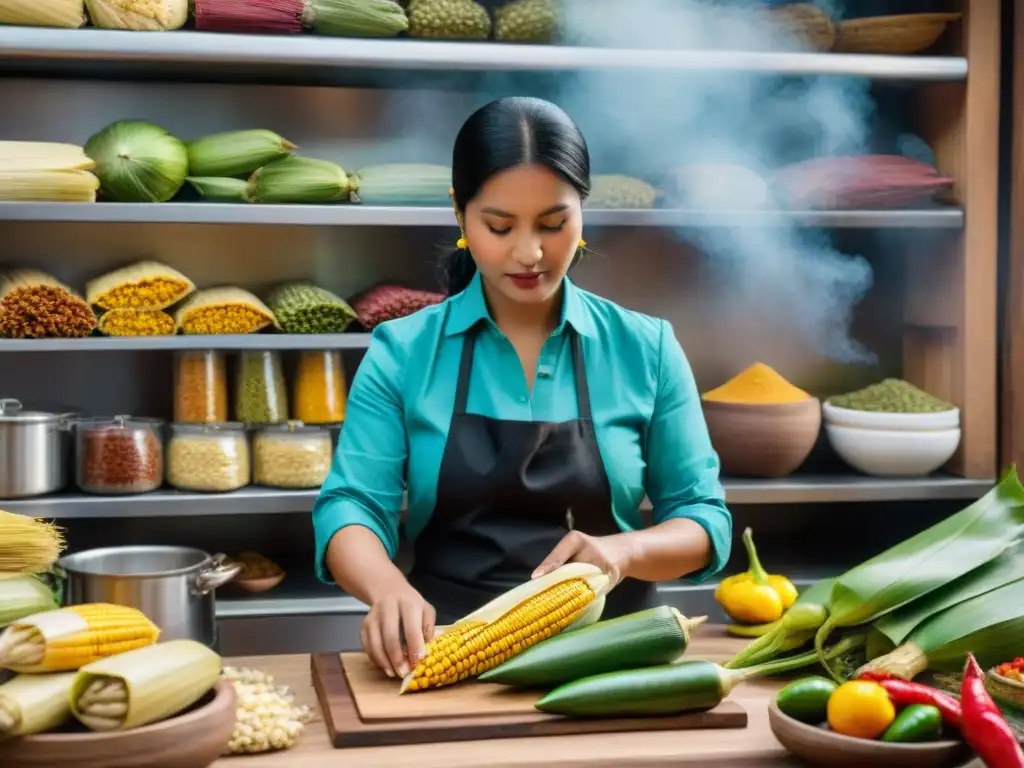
x=291, y=455
x=200, y=387
x=208, y=457
x=319, y=389
x=260, y=393
x=119, y=456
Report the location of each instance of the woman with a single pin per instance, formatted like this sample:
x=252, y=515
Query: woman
x=526, y=418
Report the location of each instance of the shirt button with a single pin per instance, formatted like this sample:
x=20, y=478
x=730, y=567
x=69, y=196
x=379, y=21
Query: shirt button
x=522, y=398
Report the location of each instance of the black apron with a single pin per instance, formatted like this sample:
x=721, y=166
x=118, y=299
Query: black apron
x=507, y=492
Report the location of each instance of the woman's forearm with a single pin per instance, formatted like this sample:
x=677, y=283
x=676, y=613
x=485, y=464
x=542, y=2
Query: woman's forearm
x=668, y=551
x=360, y=565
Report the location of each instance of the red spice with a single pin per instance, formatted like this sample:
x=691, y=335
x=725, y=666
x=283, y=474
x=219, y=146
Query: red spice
x=984, y=728
x=904, y=692
x=115, y=461
x=249, y=16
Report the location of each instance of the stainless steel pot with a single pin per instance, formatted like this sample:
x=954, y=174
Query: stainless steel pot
x=173, y=586
x=33, y=446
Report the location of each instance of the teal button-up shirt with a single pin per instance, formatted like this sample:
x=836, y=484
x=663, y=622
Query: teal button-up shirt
x=646, y=409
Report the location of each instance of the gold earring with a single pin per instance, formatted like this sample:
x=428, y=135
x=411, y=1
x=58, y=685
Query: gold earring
x=461, y=243
x=583, y=243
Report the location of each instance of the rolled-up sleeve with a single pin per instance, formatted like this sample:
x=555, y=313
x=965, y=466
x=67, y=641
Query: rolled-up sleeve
x=367, y=478
x=682, y=467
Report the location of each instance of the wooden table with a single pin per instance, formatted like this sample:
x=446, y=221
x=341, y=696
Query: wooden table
x=752, y=746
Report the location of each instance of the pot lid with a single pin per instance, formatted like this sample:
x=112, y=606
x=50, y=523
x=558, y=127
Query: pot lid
x=11, y=411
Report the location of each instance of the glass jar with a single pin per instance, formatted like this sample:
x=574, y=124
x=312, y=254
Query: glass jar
x=208, y=457
x=291, y=455
x=260, y=393
x=200, y=387
x=121, y=455
x=319, y=389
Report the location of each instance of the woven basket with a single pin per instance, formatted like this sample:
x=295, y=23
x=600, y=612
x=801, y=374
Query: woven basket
x=807, y=22
x=903, y=34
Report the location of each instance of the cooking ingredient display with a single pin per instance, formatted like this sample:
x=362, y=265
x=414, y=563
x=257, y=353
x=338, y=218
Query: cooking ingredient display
x=34, y=704
x=860, y=708
x=319, y=390
x=1012, y=670
x=268, y=17
x=755, y=596
x=918, y=722
x=757, y=385
x=235, y=153
x=983, y=726
x=144, y=285
x=256, y=566
x=291, y=456
x=305, y=308
x=142, y=686
x=138, y=162
x=526, y=21
x=404, y=184
x=387, y=302
x=46, y=171
x=200, y=387
x=136, y=322
x=610, y=190
x=904, y=693
x=300, y=180
x=355, y=18
x=68, y=14
x=161, y=15
x=28, y=544
x=210, y=457
x=261, y=396
x=267, y=716
x=71, y=637
x=645, y=638
x=806, y=699
x=220, y=189
x=23, y=595
x=510, y=624
x=891, y=396
x=121, y=456
x=449, y=19
x=227, y=310
x=34, y=305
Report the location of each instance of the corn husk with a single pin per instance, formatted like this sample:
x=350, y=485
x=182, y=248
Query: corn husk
x=34, y=704
x=355, y=18
x=928, y=561
x=138, y=162
x=23, y=595
x=23, y=156
x=211, y=312
x=235, y=153
x=67, y=14
x=125, y=288
x=220, y=190
x=301, y=180
x=28, y=544
x=135, y=323
x=139, y=15
x=46, y=172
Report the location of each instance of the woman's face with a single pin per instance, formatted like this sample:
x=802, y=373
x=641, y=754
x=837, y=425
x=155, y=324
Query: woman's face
x=523, y=229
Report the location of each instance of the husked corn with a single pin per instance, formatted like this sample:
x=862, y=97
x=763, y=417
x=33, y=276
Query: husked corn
x=136, y=322
x=157, y=291
x=213, y=320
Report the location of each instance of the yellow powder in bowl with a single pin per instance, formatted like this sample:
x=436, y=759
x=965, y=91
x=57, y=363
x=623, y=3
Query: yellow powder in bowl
x=757, y=385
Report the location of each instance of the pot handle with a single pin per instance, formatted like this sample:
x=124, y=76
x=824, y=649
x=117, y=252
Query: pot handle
x=220, y=572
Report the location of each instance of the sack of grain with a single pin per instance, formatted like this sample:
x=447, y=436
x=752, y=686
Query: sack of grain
x=144, y=285
x=34, y=305
x=224, y=310
x=386, y=301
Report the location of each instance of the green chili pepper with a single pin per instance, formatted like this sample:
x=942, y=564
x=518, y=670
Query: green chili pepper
x=918, y=722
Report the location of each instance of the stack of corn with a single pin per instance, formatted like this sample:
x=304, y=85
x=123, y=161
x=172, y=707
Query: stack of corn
x=267, y=717
x=44, y=171
x=68, y=14
x=134, y=299
x=220, y=164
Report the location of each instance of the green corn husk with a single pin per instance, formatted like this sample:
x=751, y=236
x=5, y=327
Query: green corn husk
x=138, y=162
x=235, y=153
x=219, y=189
x=355, y=18
x=300, y=180
x=24, y=595
x=991, y=626
x=928, y=561
x=306, y=308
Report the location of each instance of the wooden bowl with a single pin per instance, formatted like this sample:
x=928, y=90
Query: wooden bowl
x=820, y=746
x=763, y=440
x=1006, y=692
x=194, y=739
x=901, y=34
x=262, y=584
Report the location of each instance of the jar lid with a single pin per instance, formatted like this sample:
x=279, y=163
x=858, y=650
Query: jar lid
x=119, y=422
x=294, y=428
x=11, y=411
x=210, y=428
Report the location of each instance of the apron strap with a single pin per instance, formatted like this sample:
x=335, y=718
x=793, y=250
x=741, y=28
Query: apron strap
x=582, y=390
x=465, y=369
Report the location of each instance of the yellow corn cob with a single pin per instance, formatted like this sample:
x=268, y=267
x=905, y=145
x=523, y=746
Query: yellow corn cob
x=43, y=155
x=568, y=598
x=69, y=14
x=70, y=638
x=49, y=186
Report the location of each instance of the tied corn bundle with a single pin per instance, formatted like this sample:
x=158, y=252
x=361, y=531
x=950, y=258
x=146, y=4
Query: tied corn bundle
x=138, y=162
x=34, y=305
x=255, y=17
x=136, y=322
x=70, y=638
x=235, y=153
x=219, y=189
x=28, y=544
x=388, y=302
x=34, y=704
x=306, y=308
x=46, y=172
x=23, y=595
x=67, y=14
x=267, y=717
x=404, y=184
x=139, y=15
x=226, y=310
x=355, y=18
x=144, y=285
x=301, y=180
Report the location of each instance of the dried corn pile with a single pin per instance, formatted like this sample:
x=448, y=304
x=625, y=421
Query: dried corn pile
x=45, y=171
x=226, y=310
x=388, y=302
x=134, y=299
x=267, y=717
x=34, y=305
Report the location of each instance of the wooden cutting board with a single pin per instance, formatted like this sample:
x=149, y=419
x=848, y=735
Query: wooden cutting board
x=362, y=708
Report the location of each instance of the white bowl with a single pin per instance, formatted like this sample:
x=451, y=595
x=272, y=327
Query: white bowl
x=893, y=453
x=909, y=422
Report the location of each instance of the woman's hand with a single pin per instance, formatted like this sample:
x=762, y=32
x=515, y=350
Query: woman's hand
x=612, y=554
x=399, y=611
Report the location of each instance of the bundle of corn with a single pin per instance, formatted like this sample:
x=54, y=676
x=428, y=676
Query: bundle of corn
x=141, y=15
x=571, y=596
x=70, y=638
x=34, y=704
x=301, y=180
x=34, y=305
x=258, y=17
x=267, y=717
x=387, y=302
x=612, y=190
x=23, y=595
x=235, y=153
x=69, y=14
x=305, y=308
x=28, y=544
x=138, y=162
x=143, y=285
x=404, y=184
x=46, y=172
x=527, y=21
x=220, y=189
x=448, y=19
x=355, y=18
x=226, y=310
x=136, y=322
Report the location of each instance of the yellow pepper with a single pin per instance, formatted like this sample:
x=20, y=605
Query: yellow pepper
x=860, y=708
x=755, y=596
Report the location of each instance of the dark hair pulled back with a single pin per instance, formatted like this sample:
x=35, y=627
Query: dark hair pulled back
x=504, y=134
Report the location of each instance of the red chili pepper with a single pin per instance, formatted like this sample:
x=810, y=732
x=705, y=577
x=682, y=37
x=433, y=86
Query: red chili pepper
x=904, y=692
x=984, y=728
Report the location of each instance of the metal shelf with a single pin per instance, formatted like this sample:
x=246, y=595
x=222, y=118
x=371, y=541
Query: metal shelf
x=257, y=341
x=266, y=501
x=379, y=216
x=312, y=59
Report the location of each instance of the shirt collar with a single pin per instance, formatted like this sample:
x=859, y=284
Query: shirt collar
x=468, y=308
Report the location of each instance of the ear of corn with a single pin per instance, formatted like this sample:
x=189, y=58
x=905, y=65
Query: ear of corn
x=143, y=686
x=509, y=624
x=355, y=18
x=404, y=184
x=220, y=190
x=67, y=14
x=235, y=153
x=34, y=704
x=27, y=156
x=70, y=638
x=69, y=186
x=24, y=595
x=140, y=15
x=143, y=285
x=300, y=180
